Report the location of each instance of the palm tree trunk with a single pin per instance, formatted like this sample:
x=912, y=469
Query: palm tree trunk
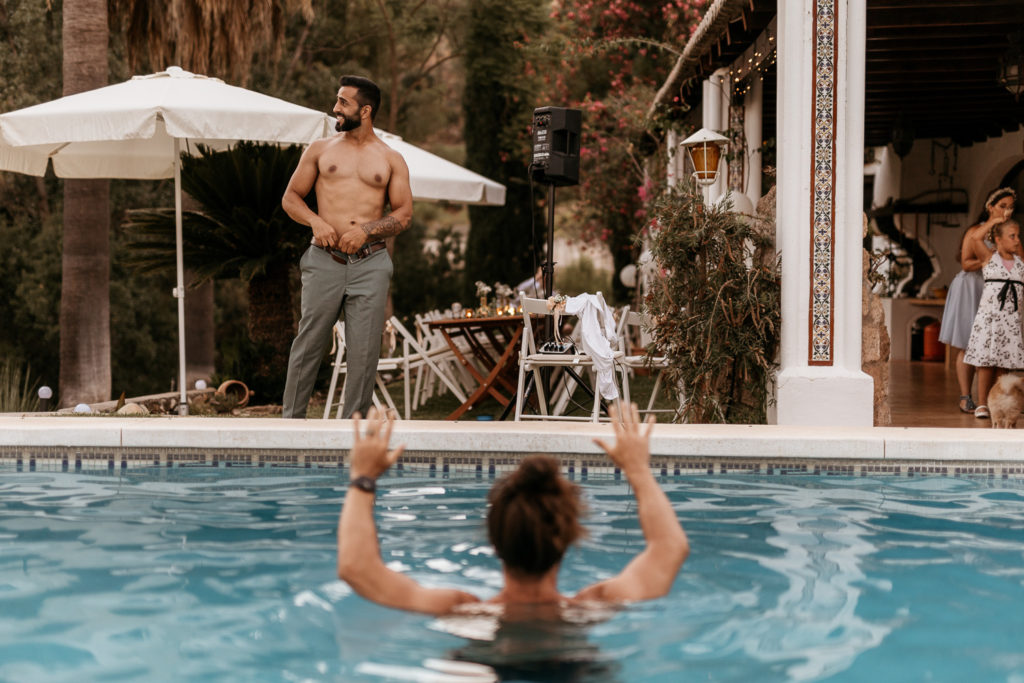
x=271, y=321
x=85, y=267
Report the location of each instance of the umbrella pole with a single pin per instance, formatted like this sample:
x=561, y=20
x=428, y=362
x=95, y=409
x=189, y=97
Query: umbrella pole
x=179, y=291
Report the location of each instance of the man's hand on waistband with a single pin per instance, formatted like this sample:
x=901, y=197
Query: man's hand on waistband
x=351, y=240
x=323, y=233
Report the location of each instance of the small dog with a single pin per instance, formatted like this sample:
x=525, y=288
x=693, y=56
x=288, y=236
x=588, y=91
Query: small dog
x=1005, y=401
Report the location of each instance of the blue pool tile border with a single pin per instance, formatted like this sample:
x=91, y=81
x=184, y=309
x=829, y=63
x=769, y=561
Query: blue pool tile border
x=32, y=442
x=87, y=459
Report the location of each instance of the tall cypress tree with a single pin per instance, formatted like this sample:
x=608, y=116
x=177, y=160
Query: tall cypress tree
x=498, y=104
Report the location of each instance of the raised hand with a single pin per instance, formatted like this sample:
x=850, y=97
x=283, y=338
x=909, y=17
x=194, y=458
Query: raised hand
x=370, y=456
x=651, y=573
x=631, y=450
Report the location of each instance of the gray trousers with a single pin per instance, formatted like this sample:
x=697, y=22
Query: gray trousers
x=358, y=290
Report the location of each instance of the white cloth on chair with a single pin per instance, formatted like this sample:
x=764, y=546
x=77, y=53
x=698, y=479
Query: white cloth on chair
x=597, y=334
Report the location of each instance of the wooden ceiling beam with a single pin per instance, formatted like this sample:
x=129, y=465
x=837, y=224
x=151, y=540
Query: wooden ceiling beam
x=928, y=115
x=902, y=33
x=962, y=94
x=944, y=62
x=914, y=49
x=931, y=81
x=922, y=69
x=923, y=116
x=927, y=15
x=937, y=130
x=915, y=5
x=961, y=136
x=929, y=89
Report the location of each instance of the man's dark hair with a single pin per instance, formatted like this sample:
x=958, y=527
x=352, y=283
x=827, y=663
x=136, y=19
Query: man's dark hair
x=367, y=92
x=534, y=516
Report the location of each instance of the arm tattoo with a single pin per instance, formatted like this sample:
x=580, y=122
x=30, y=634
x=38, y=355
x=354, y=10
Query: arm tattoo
x=383, y=227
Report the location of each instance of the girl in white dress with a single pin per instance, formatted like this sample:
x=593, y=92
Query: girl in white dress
x=965, y=290
x=996, y=344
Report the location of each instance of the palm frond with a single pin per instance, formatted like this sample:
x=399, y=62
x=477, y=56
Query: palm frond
x=215, y=37
x=241, y=230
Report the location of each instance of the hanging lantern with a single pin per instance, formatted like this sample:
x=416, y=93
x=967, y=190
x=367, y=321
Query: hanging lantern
x=902, y=135
x=1011, y=66
x=705, y=151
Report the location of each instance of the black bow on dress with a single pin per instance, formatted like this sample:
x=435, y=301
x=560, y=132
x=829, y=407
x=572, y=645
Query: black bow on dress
x=1008, y=290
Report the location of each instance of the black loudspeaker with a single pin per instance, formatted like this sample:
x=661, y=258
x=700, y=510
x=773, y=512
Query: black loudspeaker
x=556, y=145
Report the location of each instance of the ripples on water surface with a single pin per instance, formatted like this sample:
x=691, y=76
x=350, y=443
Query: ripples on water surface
x=228, y=574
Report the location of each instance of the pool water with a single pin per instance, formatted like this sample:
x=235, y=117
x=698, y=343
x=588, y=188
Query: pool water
x=228, y=574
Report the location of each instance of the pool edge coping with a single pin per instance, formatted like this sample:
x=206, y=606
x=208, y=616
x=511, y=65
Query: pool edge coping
x=494, y=438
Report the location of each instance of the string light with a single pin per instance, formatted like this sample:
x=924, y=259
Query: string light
x=743, y=80
x=757, y=58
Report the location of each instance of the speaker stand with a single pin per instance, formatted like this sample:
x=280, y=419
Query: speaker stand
x=549, y=265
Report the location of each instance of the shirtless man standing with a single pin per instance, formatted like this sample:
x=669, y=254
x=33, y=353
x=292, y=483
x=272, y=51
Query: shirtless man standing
x=347, y=268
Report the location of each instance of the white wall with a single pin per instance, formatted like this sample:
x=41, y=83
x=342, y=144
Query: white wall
x=979, y=170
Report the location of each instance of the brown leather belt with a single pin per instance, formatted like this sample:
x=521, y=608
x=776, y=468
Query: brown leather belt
x=359, y=255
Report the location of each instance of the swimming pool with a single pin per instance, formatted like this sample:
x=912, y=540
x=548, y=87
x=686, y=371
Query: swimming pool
x=228, y=574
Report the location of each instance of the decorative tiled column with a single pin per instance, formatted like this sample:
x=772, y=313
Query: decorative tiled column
x=819, y=216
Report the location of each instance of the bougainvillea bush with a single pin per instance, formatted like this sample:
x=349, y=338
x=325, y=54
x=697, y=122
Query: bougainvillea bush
x=608, y=59
x=715, y=306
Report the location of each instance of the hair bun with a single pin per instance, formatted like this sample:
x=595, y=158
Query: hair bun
x=537, y=474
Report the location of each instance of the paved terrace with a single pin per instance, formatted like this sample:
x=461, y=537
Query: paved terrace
x=57, y=442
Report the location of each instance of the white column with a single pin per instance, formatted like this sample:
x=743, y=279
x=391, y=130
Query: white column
x=819, y=218
x=675, y=169
x=753, y=119
x=715, y=116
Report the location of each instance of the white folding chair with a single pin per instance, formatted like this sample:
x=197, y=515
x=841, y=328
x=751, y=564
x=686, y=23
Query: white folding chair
x=431, y=339
x=531, y=361
x=414, y=357
x=637, y=325
x=569, y=385
x=428, y=360
x=338, y=365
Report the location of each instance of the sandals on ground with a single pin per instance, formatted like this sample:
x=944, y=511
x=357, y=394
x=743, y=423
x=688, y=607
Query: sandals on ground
x=981, y=412
x=967, y=404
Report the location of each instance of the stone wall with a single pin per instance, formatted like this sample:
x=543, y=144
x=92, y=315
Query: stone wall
x=874, y=346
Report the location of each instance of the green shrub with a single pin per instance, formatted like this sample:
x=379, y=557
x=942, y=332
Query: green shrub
x=716, y=308
x=17, y=390
x=582, y=276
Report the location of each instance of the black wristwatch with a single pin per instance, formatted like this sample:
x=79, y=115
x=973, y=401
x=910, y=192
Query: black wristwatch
x=364, y=483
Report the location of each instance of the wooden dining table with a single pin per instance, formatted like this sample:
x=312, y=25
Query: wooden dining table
x=493, y=342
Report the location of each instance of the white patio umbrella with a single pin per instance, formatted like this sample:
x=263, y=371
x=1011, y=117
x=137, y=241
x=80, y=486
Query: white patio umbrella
x=135, y=129
x=434, y=178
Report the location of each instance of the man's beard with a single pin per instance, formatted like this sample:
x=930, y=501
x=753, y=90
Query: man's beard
x=346, y=124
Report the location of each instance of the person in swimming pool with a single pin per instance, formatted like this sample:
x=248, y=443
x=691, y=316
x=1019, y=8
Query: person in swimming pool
x=534, y=517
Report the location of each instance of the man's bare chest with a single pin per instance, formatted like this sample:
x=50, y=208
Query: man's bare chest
x=343, y=165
